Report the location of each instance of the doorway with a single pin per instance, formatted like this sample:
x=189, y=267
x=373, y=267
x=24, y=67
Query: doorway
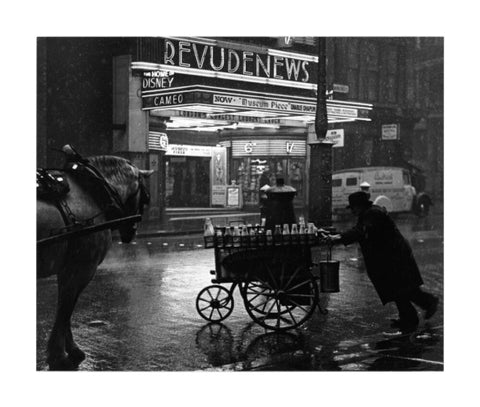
x=187, y=182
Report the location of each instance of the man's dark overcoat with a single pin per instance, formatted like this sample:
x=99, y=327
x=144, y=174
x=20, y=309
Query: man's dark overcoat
x=388, y=257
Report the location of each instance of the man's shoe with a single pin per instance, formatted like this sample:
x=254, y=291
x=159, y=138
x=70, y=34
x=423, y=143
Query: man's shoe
x=432, y=308
x=393, y=333
x=401, y=329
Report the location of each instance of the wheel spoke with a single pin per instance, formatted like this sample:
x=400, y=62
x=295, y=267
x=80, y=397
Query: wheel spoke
x=256, y=306
x=255, y=284
x=203, y=299
x=224, y=302
x=218, y=293
x=211, y=313
x=292, y=316
x=292, y=277
x=265, y=305
x=279, y=313
x=274, y=283
x=203, y=309
x=265, y=284
x=299, y=285
x=266, y=294
x=268, y=312
x=256, y=296
x=300, y=306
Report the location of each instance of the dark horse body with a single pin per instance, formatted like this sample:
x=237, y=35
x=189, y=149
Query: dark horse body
x=75, y=260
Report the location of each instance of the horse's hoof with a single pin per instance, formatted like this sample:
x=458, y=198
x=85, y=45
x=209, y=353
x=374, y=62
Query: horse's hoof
x=61, y=363
x=76, y=356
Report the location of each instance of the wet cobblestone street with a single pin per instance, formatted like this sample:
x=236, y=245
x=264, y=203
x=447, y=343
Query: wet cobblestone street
x=138, y=314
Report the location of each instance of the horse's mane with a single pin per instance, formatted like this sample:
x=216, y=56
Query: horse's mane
x=118, y=171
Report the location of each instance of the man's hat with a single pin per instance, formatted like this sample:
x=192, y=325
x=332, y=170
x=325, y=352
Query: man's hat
x=365, y=184
x=359, y=199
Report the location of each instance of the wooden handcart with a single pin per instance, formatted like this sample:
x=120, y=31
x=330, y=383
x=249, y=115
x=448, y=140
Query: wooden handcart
x=274, y=276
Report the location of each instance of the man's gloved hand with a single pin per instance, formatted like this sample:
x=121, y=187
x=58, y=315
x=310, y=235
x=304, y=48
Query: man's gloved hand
x=333, y=239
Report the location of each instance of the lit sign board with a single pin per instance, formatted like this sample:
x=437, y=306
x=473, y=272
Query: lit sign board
x=268, y=147
x=339, y=88
x=203, y=96
x=266, y=104
x=157, y=141
x=188, y=150
x=211, y=57
x=336, y=137
x=390, y=132
x=221, y=60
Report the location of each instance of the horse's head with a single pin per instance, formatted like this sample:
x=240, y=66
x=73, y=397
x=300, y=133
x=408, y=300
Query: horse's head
x=134, y=205
x=128, y=181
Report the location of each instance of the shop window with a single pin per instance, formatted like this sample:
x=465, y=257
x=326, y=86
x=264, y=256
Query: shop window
x=187, y=182
x=351, y=182
x=337, y=182
x=251, y=173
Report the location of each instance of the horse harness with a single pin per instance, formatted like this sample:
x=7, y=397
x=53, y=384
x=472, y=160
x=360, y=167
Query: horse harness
x=53, y=187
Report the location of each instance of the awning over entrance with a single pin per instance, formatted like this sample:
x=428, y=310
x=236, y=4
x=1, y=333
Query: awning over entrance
x=210, y=108
x=207, y=84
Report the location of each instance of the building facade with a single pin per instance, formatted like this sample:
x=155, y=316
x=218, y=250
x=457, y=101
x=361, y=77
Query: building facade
x=218, y=118
x=403, y=79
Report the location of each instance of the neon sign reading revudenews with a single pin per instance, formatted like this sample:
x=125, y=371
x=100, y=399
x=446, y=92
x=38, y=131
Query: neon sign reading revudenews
x=192, y=55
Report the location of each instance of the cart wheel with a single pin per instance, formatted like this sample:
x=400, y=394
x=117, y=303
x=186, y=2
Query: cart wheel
x=280, y=300
x=214, y=303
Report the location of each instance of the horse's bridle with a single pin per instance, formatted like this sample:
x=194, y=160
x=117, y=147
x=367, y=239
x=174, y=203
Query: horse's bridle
x=111, y=202
x=144, y=198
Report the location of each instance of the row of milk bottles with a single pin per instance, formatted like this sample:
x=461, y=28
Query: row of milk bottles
x=257, y=236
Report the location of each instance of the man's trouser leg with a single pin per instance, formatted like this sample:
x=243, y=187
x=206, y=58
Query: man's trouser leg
x=407, y=313
x=421, y=298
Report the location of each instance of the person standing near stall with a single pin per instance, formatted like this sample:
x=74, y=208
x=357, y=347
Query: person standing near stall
x=389, y=262
x=262, y=193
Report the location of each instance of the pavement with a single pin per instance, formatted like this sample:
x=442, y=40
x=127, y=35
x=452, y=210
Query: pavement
x=139, y=314
x=187, y=221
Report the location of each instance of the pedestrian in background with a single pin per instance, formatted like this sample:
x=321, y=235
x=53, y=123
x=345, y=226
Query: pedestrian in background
x=389, y=262
x=365, y=187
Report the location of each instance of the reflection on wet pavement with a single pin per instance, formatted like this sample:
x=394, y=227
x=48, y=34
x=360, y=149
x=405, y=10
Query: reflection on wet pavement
x=288, y=351
x=138, y=314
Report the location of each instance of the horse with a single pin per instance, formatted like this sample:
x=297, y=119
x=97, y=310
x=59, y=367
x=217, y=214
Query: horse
x=74, y=260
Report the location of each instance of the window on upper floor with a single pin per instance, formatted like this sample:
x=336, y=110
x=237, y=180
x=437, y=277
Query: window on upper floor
x=390, y=93
x=372, y=71
x=353, y=66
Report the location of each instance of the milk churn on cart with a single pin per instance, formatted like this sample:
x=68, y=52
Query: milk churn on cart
x=329, y=273
x=279, y=205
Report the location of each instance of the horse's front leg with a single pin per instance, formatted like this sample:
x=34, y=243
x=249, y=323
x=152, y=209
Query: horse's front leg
x=75, y=354
x=57, y=358
x=61, y=340
x=80, y=281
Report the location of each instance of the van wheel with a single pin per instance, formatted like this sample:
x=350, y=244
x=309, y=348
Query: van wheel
x=384, y=203
x=423, y=207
